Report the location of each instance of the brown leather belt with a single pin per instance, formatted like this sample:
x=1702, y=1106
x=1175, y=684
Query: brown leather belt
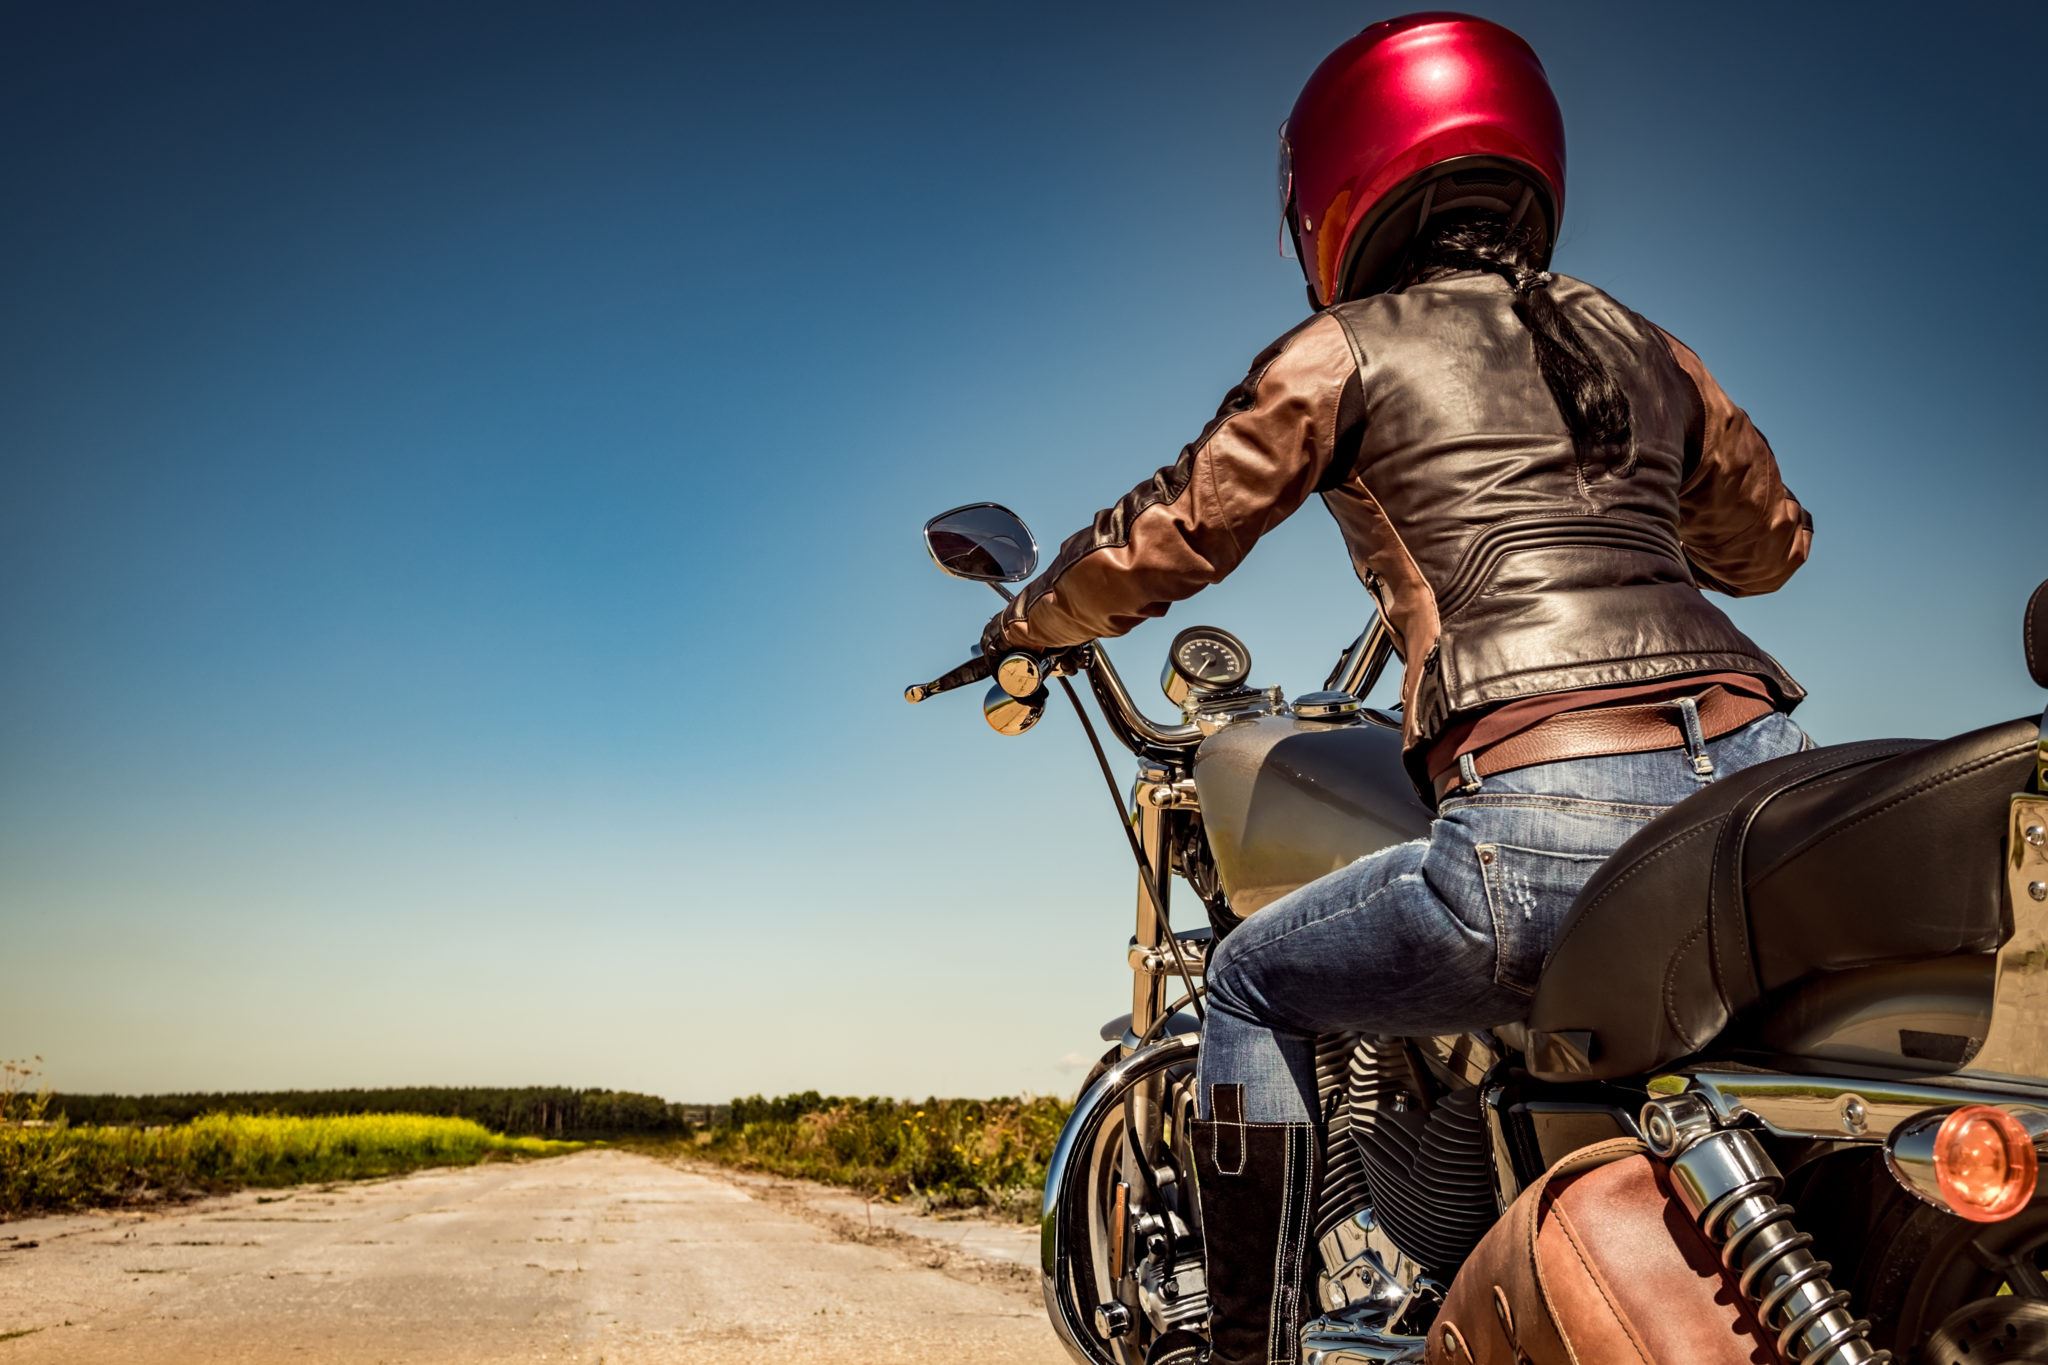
x=1600, y=730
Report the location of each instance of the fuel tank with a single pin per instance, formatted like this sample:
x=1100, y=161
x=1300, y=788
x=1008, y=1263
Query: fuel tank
x=1287, y=800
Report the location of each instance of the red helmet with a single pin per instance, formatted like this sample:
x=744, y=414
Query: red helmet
x=1413, y=117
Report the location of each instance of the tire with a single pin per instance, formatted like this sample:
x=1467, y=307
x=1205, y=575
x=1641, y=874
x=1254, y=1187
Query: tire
x=1101, y=1181
x=1140, y=1345
x=1939, y=1290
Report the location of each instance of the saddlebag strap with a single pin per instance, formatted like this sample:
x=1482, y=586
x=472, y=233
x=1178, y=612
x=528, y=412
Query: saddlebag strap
x=1600, y=730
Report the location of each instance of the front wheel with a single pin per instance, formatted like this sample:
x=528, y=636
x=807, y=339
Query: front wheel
x=1105, y=1214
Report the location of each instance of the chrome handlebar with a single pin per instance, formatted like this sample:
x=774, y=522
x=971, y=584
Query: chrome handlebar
x=973, y=671
x=1357, y=673
x=1137, y=730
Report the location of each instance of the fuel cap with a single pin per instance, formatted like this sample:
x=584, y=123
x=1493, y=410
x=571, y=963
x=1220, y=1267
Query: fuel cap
x=1326, y=706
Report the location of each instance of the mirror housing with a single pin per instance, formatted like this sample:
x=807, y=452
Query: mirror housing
x=984, y=542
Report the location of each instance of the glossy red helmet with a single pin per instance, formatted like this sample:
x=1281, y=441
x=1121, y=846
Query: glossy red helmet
x=1414, y=117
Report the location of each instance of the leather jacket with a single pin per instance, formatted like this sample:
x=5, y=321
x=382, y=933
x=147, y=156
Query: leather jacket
x=1506, y=566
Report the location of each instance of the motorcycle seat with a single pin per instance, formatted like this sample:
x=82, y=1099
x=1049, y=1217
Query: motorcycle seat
x=1832, y=861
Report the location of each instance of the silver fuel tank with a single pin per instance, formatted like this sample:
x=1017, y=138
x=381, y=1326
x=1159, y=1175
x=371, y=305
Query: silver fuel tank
x=1287, y=800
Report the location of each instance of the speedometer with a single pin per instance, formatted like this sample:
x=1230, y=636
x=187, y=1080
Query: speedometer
x=1209, y=660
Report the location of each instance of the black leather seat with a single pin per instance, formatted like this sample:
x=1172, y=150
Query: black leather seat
x=1829, y=861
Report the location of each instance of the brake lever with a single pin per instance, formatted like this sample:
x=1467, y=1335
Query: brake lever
x=974, y=670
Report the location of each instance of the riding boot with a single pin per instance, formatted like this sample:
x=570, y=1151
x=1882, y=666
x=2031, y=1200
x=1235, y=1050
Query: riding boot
x=1255, y=1183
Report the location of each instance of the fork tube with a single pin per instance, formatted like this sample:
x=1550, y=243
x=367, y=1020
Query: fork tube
x=1148, y=987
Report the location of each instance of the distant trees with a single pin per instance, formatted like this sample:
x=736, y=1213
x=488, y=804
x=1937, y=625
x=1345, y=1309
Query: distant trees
x=535, y=1111
x=787, y=1108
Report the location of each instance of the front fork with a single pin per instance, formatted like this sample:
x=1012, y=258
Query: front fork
x=1162, y=962
x=1146, y=1197
x=1151, y=963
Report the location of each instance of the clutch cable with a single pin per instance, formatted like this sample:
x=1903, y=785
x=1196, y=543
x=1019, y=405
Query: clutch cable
x=1145, y=868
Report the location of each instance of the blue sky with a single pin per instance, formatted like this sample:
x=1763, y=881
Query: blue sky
x=464, y=467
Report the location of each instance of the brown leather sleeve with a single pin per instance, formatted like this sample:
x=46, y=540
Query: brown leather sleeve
x=1741, y=527
x=1266, y=451
x=1739, y=522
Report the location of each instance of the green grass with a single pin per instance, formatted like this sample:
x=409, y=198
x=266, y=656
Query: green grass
x=531, y=1111
x=946, y=1153
x=48, y=1167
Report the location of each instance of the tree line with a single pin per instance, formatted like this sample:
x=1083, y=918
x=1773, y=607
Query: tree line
x=790, y=1108
x=535, y=1111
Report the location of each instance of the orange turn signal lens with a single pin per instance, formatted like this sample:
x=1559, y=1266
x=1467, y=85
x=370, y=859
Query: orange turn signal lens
x=1984, y=1163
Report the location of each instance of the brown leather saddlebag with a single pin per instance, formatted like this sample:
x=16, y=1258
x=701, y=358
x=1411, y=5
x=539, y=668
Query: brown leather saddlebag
x=1596, y=1264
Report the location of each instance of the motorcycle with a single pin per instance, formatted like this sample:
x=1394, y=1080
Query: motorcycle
x=1816, y=991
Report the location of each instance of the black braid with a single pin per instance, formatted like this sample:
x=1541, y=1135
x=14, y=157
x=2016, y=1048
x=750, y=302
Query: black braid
x=1589, y=398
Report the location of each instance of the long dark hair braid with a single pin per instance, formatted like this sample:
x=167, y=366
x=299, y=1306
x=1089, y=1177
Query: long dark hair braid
x=1589, y=398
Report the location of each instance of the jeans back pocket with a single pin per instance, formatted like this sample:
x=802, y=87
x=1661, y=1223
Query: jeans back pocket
x=1529, y=891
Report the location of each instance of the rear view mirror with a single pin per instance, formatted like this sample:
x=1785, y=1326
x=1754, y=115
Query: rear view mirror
x=983, y=541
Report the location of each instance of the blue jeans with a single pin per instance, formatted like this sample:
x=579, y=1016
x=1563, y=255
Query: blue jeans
x=1444, y=934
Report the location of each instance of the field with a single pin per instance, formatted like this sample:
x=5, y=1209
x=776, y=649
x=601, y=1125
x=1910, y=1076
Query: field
x=61, y=1152
x=533, y=1111
x=946, y=1153
x=48, y=1164
x=46, y=1168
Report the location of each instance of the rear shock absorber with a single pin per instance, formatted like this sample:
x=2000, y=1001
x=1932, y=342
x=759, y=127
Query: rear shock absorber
x=1730, y=1187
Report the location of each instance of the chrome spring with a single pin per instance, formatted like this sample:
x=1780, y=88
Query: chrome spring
x=1787, y=1285
x=1730, y=1187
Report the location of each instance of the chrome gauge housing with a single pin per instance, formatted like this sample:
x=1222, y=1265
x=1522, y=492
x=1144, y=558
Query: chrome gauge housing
x=1204, y=659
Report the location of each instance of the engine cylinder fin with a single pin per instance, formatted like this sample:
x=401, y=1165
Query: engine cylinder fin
x=1428, y=1172
x=1345, y=1189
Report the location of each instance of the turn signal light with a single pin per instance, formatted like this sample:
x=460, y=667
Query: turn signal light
x=1978, y=1162
x=1984, y=1163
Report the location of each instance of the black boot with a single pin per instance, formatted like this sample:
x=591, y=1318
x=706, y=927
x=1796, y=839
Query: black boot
x=1256, y=1186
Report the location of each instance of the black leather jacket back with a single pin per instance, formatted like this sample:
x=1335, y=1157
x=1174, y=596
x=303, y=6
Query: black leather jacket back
x=1506, y=566
x=1541, y=574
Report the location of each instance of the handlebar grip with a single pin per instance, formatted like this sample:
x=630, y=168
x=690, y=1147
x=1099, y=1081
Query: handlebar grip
x=973, y=671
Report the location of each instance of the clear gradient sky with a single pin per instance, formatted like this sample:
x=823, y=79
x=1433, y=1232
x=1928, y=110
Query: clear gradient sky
x=463, y=467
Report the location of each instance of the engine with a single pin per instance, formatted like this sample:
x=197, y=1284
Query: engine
x=1422, y=1167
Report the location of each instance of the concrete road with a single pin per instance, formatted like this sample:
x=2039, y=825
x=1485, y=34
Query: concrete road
x=597, y=1257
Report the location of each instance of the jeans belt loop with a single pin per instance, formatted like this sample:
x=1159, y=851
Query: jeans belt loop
x=1468, y=774
x=1695, y=736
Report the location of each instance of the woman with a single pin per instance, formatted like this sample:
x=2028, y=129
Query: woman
x=1535, y=484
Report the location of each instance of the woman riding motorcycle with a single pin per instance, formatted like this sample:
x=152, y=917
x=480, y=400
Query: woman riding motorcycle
x=1535, y=484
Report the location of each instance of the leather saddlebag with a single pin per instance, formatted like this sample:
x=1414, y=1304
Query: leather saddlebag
x=1596, y=1264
